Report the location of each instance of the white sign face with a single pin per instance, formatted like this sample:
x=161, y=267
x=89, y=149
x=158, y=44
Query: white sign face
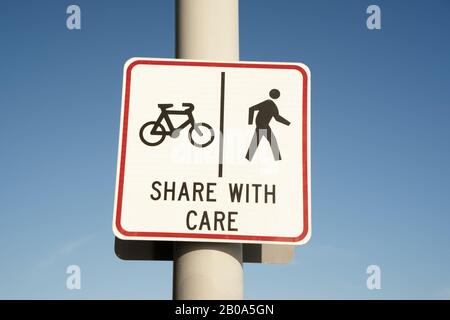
x=214, y=151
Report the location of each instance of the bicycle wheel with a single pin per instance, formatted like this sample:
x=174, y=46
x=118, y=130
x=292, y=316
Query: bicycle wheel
x=205, y=138
x=152, y=139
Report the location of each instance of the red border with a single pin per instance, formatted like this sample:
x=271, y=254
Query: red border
x=204, y=235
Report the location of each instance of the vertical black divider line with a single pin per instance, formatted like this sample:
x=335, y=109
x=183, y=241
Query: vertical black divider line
x=222, y=105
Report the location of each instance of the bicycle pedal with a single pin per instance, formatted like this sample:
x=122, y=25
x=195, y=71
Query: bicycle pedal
x=175, y=134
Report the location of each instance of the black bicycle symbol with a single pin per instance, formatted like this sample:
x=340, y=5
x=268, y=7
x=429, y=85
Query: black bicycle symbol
x=153, y=133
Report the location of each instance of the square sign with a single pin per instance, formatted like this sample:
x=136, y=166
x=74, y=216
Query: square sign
x=214, y=151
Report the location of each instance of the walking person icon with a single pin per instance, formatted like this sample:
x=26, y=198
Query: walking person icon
x=266, y=111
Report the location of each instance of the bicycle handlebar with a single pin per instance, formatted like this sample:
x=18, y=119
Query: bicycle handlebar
x=189, y=105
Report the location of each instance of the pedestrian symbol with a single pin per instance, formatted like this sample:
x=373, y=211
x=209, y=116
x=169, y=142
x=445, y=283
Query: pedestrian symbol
x=266, y=111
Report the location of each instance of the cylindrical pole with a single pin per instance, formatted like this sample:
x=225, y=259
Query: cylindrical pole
x=207, y=30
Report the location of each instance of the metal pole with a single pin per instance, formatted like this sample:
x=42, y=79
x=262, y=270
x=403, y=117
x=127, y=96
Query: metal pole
x=207, y=30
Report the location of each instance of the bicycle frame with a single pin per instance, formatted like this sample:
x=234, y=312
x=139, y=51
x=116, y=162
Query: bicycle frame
x=165, y=115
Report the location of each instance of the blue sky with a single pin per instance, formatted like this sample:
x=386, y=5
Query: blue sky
x=380, y=145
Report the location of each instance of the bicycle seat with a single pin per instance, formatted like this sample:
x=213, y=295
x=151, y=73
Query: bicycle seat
x=165, y=105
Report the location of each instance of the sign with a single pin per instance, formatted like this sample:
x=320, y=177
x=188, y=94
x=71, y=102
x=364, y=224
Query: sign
x=214, y=151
